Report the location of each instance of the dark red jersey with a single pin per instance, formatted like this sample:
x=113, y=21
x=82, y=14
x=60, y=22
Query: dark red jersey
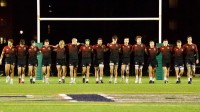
x=115, y=49
x=178, y=53
x=99, y=51
x=166, y=52
x=46, y=51
x=33, y=50
x=73, y=51
x=61, y=52
x=126, y=51
x=9, y=52
x=139, y=50
x=22, y=51
x=86, y=51
x=190, y=51
x=152, y=52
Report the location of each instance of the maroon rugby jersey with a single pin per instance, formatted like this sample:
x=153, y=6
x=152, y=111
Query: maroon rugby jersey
x=115, y=49
x=166, y=52
x=139, y=50
x=99, y=51
x=9, y=52
x=33, y=50
x=190, y=50
x=46, y=51
x=22, y=51
x=86, y=51
x=61, y=52
x=152, y=52
x=178, y=53
x=73, y=51
x=126, y=50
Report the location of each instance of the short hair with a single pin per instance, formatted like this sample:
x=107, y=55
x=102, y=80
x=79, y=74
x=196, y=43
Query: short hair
x=74, y=38
x=114, y=37
x=46, y=40
x=22, y=41
x=189, y=36
x=126, y=38
x=87, y=40
x=151, y=41
x=10, y=40
x=165, y=40
x=99, y=39
x=32, y=41
x=178, y=41
x=137, y=37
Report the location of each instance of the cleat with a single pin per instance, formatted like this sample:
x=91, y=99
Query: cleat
x=150, y=82
x=31, y=81
x=101, y=81
x=59, y=82
x=97, y=82
x=153, y=82
x=87, y=82
x=177, y=82
x=189, y=82
x=7, y=79
x=19, y=81
x=165, y=81
x=110, y=82
x=63, y=80
x=83, y=80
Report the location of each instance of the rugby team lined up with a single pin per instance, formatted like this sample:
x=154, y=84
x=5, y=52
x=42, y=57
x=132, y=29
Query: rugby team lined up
x=68, y=55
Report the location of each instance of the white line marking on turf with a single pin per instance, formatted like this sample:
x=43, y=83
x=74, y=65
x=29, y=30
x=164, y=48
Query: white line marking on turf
x=106, y=96
x=65, y=97
x=29, y=96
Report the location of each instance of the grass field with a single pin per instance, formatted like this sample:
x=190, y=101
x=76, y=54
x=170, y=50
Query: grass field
x=52, y=90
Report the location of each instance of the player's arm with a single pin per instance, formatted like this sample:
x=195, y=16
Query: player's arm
x=197, y=54
x=2, y=55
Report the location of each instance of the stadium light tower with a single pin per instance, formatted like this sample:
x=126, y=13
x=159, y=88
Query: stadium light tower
x=159, y=19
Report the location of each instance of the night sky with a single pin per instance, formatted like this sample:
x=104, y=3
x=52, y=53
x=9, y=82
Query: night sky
x=184, y=17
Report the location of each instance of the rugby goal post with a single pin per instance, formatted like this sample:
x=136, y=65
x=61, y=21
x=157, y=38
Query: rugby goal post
x=159, y=19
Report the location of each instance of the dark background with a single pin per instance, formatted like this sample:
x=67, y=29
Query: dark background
x=180, y=18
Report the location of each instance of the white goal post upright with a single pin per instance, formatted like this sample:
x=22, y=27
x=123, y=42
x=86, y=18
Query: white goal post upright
x=159, y=19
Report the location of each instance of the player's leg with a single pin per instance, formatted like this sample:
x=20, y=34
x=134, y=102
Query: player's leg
x=136, y=73
x=177, y=74
x=101, y=66
x=140, y=73
x=96, y=68
x=165, y=74
x=150, y=74
x=30, y=72
x=7, y=72
x=19, y=71
x=115, y=72
x=122, y=71
x=34, y=73
x=83, y=73
x=181, y=73
x=111, y=71
x=59, y=73
x=189, y=73
x=75, y=73
x=71, y=72
x=48, y=74
x=64, y=72
x=127, y=72
x=44, y=72
x=12, y=68
x=23, y=74
x=87, y=73
x=153, y=74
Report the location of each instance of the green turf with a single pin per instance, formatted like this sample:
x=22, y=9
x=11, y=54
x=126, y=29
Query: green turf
x=120, y=88
x=106, y=88
x=98, y=107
